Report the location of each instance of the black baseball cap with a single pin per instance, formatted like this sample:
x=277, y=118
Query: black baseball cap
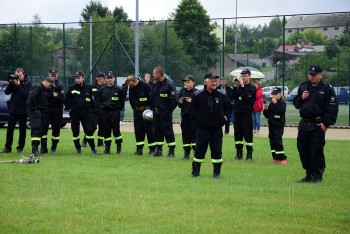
x=189, y=77
x=109, y=74
x=245, y=71
x=314, y=69
x=53, y=71
x=100, y=75
x=210, y=75
x=276, y=90
x=79, y=73
x=49, y=79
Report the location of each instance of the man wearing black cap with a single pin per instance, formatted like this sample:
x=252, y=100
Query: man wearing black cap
x=140, y=100
x=188, y=126
x=112, y=102
x=318, y=109
x=80, y=102
x=19, y=88
x=36, y=104
x=227, y=91
x=53, y=114
x=96, y=114
x=210, y=109
x=163, y=104
x=244, y=96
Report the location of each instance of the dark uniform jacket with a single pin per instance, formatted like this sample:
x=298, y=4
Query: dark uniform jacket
x=276, y=113
x=140, y=95
x=19, y=95
x=321, y=106
x=37, y=98
x=112, y=97
x=79, y=99
x=56, y=102
x=96, y=93
x=185, y=105
x=164, y=96
x=208, y=109
x=244, y=98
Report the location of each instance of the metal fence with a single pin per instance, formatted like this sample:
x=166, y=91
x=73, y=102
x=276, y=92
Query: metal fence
x=260, y=42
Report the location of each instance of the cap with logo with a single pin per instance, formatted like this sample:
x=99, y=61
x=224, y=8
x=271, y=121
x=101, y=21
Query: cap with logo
x=109, y=74
x=100, y=75
x=79, y=73
x=188, y=78
x=314, y=69
x=49, y=79
x=245, y=71
x=276, y=90
x=210, y=75
x=53, y=71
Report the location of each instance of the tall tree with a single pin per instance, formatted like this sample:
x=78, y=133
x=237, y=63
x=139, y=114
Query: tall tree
x=120, y=15
x=94, y=7
x=193, y=27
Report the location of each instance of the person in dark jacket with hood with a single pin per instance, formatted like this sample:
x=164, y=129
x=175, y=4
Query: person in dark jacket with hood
x=19, y=88
x=36, y=104
x=210, y=109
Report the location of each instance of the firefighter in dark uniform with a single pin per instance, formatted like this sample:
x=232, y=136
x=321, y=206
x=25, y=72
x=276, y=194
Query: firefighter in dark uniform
x=112, y=102
x=96, y=117
x=19, y=88
x=53, y=114
x=275, y=112
x=79, y=100
x=244, y=97
x=163, y=104
x=36, y=104
x=318, y=109
x=140, y=100
x=210, y=109
x=188, y=125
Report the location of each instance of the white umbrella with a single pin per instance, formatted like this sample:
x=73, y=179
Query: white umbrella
x=255, y=72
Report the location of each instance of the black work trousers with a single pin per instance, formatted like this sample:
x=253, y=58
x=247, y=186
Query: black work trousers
x=111, y=124
x=211, y=136
x=36, y=123
x=163, y=127
x=52, y=116
x=189, y=132
x=276, y=143
x=310, y=145
x=85, y=119
x=11, y=124
x=96, y=120
x=143, y=128
x=243, y=129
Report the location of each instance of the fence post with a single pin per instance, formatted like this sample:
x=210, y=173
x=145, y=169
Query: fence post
x=114, y=52
x=64, y=52
x=283, y=53
x=14, y=45
x=165, y=46
x=31, y=50
x=223, y=50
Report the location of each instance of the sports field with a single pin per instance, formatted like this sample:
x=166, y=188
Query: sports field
x=66, y=193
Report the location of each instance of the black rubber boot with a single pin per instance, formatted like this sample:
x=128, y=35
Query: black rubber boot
x=119, y=147
x=187, y=152
x=107, y=147
x=138, y=152
x=196, y=169
x=152, y=150
x=43, y=149
x=249, y=156
x=54, y=146
x=307, y=178
x=35, y=147
x=99, y=142
x=217, y=170
x=77, y=144
x=239, y=155
x=83, y=143
x=159, y=151
x=171, y=153
x=316, y=177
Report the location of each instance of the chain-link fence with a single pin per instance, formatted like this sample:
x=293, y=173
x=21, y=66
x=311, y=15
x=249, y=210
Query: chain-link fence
x=281, y=47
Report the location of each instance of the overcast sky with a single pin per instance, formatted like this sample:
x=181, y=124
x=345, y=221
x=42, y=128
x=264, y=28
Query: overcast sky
x=57, y=11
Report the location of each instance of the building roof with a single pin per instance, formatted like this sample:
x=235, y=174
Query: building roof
x=316, y=21
x=296, y=48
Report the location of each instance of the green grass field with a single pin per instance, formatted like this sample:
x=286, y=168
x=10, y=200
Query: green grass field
x=66, y=193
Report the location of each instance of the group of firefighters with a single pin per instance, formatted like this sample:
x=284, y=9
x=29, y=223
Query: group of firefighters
x=203, y=114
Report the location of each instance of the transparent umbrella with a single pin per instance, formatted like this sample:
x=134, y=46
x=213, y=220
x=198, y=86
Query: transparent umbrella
x=255, y=72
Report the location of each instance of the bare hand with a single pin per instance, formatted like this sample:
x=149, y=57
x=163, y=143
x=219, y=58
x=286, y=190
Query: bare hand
x=188, y=99
x=241, y=82
x=273, y=100
x=181, y=100
x=266, y=106
x=324, y=129
x=305, y=95
x=225, y=117
x=17, y=82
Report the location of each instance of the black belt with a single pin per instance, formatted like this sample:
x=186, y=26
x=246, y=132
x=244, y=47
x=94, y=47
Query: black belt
x=315, y=120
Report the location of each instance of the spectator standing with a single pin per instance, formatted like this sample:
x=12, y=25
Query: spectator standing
x=227, y=91
x=258, y=107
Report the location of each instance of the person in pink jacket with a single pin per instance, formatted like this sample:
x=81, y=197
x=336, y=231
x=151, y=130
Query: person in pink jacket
x=258, y=107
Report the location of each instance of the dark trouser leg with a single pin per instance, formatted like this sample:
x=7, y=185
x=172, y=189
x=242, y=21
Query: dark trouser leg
x=203, y=137
x=100, y=132
x=158, y=134
x=216, y=151
x=56, y=127
x=186, y=135
x=116, y=133
x=150, y=135
x=106, y=129
x=167, y=126
x=45, y=128
x=75, y=126
x=278, y=133
x=227, y=126
x=317, y=160
x=193, y=134
x=35, y=118
x=86, y=123
x=22, y=122
x=248, y=131
x=139, y=130
x=238, y=132
x=11, y=124
x=303, y=143
x=272, y=142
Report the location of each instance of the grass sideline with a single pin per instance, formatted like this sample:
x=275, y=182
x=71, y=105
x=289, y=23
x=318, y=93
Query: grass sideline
x=67, y=193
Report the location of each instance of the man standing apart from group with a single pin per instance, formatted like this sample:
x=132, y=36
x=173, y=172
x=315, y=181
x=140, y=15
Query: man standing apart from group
x=244, y=96
x=163, y=104
x=318, y=110
x=140, y=100
x=188, y=125
x=227, y=91
x=19, y=88
x=53, y=114
x=80, y=102
x=210, y=109
x=112, y=102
